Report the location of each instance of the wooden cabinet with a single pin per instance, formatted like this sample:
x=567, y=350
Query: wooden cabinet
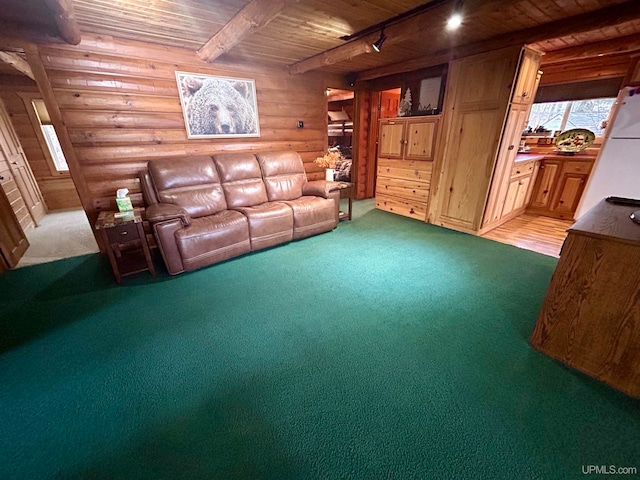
x=505, y=164
x=519, y=190
x=560, y=186
x=528, y=78
x=407, y=138
x=590, y=318
x=405, y=152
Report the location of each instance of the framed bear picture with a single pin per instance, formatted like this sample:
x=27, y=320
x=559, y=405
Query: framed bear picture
x=218, y=107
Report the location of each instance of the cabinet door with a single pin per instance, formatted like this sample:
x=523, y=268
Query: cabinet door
x=516, y=120
x=528, y=78
x=420, y=139
x=510, y=200
x=391, y=139
x=521, y=194
x=569, y=192
x=547, y=176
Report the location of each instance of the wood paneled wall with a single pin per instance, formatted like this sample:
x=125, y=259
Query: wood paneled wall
x=585, y=69
x=119, y=102
x=58, y=191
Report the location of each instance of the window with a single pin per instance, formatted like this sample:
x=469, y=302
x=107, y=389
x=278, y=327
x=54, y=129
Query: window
x=50, y=137
x=562, y=116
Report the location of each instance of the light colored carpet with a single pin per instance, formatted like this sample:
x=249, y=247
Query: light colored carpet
x=61, y=234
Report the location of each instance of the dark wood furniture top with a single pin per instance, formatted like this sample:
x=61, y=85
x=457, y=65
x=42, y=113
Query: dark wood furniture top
x=126, y=243
x=590, y=319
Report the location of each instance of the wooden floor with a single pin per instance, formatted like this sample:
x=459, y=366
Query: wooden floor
x=533, y=232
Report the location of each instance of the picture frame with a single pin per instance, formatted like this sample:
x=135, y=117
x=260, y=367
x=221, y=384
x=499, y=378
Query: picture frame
x=218, y=107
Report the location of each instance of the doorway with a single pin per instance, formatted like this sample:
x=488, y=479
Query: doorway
x=340, y=115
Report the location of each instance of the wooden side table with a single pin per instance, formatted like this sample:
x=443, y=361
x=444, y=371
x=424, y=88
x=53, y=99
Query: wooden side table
x=347, y=190
x=125, y=242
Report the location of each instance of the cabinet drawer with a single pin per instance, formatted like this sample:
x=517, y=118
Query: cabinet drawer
x=523, y=168
x=400, y=206
x=397, y=187
x=409, y=170
x=123, y=233
x=576, y=167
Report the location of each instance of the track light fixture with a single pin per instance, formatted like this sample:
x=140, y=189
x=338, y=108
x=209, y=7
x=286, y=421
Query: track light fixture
x=377, y=45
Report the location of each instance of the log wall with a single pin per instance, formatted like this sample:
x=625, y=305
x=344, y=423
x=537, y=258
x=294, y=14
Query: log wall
x=119, y=105
x=58, y=191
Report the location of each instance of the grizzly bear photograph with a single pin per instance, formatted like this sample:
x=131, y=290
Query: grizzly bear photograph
x=218, y=106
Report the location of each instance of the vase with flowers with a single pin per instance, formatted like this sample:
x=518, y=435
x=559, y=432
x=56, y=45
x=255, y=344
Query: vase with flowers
x=328, y=162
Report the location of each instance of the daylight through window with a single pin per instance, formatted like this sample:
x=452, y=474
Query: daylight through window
x=563, y=116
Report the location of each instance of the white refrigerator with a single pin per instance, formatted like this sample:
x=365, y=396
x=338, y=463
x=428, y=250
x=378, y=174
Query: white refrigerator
x=616, y=171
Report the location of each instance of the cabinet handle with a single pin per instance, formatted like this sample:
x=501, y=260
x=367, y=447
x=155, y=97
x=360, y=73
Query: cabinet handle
x=511, y=147
x=517, y=172
x=124, y=233
x=524, y=94
x=1, y=177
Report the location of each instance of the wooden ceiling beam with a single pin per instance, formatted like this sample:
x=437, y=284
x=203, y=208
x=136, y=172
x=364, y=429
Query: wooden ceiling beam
x=628, y=44
x=17, y=62
x=404, y=30
x=65, y=18
x=604, y=17
x=253, y=16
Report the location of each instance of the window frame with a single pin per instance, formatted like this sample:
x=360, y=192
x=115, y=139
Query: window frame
x=567, y=112
x=27, y=99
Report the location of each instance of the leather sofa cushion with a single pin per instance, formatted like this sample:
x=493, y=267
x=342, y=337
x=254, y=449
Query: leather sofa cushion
x=189, y=182
x=241, y=179
x=269, y=224
x=283, y=174
x=213, y=238
x=312, y=215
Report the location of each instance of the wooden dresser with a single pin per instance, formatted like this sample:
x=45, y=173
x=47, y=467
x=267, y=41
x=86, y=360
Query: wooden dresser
x=405, y=158
x=590, y=319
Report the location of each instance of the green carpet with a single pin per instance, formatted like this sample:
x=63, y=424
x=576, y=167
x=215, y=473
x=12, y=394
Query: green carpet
x=386, y=349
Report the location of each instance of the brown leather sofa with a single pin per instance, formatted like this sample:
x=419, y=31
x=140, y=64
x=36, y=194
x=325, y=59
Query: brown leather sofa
x=203, y=209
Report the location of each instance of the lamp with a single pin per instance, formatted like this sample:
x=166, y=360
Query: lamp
x=377, y=45
x=455, y=20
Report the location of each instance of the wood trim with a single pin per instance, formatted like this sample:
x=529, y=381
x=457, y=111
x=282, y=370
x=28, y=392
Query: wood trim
x=65, y=18
x=253, y=16
x=335, y=55
x=17, y=62
x=628, y=44
x=27, y=98
x=48, y=95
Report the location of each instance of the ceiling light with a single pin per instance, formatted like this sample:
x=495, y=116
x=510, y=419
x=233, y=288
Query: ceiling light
x=377, y=45
x=454, y=21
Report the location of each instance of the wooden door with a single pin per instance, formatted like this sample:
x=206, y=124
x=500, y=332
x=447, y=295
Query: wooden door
x=391, y=139
x=389, y=102
x=528, y=78
x=476, y=111
x=420, y=139
x=515, y=124
x=547, y=176
x=22, y=174
x=13, y=242
x=570, y=190
x=521, y=195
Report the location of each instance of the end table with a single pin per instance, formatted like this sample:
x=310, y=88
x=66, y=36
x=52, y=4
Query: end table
x=125, y=242
x=347, y=190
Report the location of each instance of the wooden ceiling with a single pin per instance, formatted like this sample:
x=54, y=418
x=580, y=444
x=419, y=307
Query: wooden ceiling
x=306, y=34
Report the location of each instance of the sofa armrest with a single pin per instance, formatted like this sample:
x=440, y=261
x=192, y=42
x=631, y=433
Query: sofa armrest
x=320, y=188
x=160, y=212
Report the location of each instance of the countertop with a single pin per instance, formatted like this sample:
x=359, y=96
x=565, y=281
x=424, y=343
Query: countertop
x=607, y=220
x=526, y=157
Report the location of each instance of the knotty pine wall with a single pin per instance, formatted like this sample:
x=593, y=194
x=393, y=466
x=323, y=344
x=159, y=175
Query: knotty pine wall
x=58, y=191
x=119, y=102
